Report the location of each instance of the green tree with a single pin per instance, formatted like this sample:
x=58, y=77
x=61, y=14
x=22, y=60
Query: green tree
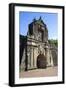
x=52, y=41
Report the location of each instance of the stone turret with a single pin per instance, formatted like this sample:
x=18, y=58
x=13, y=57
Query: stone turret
x=38, y=29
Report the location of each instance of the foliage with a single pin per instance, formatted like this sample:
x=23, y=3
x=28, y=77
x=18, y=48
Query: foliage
x=52, y=41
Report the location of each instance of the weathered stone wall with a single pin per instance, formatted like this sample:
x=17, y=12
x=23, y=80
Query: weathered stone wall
x=37, y=44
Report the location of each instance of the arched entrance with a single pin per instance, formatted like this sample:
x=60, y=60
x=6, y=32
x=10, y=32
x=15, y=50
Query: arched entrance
x=41, y=61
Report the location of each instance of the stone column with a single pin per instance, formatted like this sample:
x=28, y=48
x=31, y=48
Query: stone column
x=31, y=57
x=51, y=63
x=35, y=57
x=48, y=56
x=23, y=61
x=28, y=57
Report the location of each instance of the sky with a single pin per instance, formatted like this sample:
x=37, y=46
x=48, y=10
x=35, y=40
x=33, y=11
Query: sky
x=50, y=19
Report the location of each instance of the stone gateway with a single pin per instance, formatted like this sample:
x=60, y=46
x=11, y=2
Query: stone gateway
x=35, y=50
x=41, y=61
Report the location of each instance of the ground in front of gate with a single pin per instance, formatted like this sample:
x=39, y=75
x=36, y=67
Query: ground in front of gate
x=50, y=71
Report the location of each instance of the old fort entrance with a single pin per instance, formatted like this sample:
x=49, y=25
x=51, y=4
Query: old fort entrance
x=40, y=53
x=41, y=61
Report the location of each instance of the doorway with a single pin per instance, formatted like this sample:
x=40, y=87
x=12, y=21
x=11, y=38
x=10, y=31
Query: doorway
x=41, y=61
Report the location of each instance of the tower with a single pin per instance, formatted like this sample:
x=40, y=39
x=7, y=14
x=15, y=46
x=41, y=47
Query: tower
x=37, y=38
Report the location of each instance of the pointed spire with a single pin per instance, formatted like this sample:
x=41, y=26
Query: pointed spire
x=34, y=19
x=40, y=18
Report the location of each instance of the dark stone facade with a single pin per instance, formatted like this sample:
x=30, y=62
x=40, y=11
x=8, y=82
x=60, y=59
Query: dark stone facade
x=35, y=50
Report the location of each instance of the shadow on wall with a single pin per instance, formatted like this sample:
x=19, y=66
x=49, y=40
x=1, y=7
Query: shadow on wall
x=23, y=41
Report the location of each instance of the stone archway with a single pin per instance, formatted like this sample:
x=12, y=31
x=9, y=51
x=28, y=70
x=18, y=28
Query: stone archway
x=41, y=61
